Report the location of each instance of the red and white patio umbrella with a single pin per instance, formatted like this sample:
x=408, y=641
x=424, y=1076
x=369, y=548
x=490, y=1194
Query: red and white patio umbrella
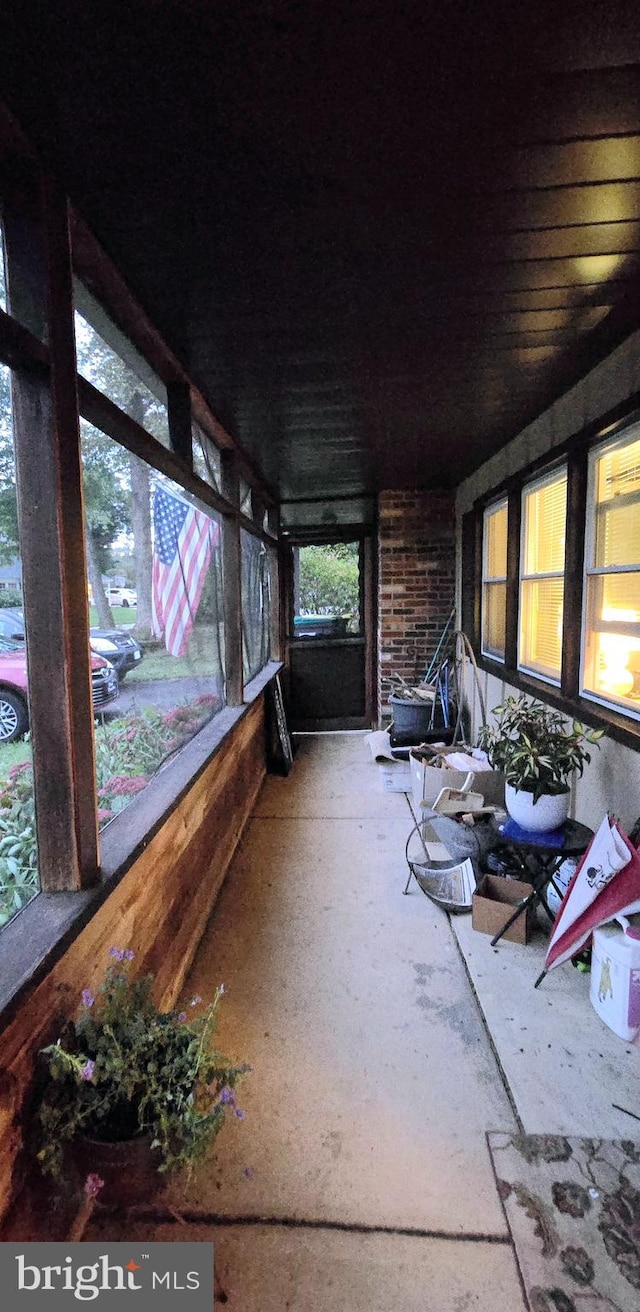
x=606, y=884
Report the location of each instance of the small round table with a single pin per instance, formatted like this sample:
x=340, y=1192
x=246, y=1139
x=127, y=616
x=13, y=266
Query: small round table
x=539, y=861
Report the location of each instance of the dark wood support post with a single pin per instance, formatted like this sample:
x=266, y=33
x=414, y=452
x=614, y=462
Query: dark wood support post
x=276, y=636
x=179, y=408
x=369, y=622
x=275, y=639
x=287, y=555
x=232, y=582
x=49, y=483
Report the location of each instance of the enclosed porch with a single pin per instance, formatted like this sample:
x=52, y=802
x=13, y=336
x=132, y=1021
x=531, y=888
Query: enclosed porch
x=387, y=1039
x=280, y=287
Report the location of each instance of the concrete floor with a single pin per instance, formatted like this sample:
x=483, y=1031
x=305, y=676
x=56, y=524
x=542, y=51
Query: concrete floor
x=360, y=1178
x=567, y=1072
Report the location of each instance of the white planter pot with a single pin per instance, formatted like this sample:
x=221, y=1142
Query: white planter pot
x=549, y=812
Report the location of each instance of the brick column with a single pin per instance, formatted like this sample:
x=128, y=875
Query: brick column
x=416, y=581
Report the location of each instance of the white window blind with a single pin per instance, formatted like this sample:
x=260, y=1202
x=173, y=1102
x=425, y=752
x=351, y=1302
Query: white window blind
x=611, y=625
x=544, y=513
x=494, y=580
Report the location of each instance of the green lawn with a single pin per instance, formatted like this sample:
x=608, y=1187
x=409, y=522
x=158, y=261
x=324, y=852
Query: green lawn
x=200, y=659
x=124, y=617
x=158, y=664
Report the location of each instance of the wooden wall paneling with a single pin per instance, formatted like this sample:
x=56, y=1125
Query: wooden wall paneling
x=159, y=909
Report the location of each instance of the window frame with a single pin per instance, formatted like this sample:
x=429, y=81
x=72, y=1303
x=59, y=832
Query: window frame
x=46, y=245
x=567, y=697
x=531, y=486
x=630, y=434
x=492, y=508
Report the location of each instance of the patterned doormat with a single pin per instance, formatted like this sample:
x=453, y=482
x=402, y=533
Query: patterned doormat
x=573, y=1208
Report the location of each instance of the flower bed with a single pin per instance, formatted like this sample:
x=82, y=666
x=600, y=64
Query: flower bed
x=129, y=752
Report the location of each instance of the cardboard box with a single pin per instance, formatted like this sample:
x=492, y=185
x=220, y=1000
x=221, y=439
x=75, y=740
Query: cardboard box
x=427, y=781
x=395, y=776
x=494, y=901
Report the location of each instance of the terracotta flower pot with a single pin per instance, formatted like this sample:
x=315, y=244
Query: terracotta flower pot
x=128, y=1167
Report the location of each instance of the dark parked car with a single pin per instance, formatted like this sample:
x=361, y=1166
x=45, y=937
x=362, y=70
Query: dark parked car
x=117, y=646
x=14, y=707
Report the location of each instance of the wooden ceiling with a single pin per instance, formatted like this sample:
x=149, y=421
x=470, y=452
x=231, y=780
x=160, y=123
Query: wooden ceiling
x=381, y=239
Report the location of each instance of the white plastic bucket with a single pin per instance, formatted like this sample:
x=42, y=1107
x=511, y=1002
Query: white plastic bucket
x=615, y=978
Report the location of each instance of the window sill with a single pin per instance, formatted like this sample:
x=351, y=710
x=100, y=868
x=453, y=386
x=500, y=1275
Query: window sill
x=40, y=934
x=619, y=727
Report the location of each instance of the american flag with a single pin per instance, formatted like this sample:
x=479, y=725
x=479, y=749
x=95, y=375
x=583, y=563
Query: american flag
x=183, y=541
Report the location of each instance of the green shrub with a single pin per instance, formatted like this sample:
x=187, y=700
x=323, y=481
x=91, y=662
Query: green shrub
x=329, y=580
x=10, y=597
x=18, y=851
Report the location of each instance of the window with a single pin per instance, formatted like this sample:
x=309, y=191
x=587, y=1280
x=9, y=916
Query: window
x=544, y=512
x=611, y=633
x=128, y=539
x=578, y=602
x=206, y=458
x=3, y=285
x=19, y=878
x=161, y=628
x=255, y=605
x=494, y=580
x=245, y=498
x=108, y=360
x=327, y=591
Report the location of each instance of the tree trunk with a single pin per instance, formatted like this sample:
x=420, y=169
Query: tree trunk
x=141, y=525
x=105, y=618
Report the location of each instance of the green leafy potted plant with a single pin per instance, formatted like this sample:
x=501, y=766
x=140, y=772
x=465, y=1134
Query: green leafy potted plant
x=134, y=1091
x=538, y=751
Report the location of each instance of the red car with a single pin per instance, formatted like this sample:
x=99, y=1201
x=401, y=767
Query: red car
x=14, y=706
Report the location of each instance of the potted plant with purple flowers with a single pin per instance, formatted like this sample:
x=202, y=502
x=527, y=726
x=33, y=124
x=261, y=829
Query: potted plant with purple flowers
x=145, y=1087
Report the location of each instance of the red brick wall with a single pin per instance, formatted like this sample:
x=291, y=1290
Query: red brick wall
x=416, y=581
